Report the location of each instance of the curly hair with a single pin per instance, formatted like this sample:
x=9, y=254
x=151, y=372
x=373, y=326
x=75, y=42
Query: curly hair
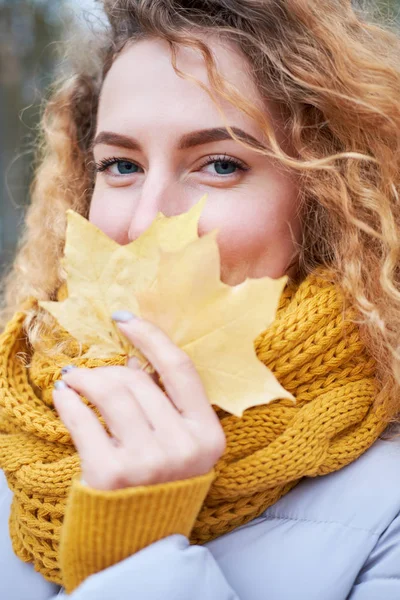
x=336, y=76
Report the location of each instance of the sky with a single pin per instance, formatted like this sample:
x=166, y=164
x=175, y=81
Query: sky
x=83, y=4
x=80, y=6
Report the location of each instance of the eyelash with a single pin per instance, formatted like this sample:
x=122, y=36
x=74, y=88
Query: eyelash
x=105, y=163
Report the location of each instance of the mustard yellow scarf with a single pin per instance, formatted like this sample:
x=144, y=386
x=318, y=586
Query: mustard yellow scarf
x=313, y=348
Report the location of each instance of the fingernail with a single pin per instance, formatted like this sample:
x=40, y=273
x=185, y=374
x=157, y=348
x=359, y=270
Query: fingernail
x=60, y=385
x=68, y=368
x=122, y=316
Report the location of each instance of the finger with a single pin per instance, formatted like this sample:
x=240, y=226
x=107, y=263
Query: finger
x=112, y=391
x=170, y=430
x=136, y=391
x=88, y=435
x=162, y=414
x=178, y=373
x=134, y=364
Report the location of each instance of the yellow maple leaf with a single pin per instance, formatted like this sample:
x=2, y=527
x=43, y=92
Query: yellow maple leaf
x=171, y=277
x=103, y=276
x=216, y=324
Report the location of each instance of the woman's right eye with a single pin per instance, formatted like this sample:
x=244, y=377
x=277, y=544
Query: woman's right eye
x=117, y=166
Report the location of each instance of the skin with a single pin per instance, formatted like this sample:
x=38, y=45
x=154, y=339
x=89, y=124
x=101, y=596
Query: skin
x=256, y=211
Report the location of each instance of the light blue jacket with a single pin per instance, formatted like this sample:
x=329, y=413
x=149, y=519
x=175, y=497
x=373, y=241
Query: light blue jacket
x=332, y=538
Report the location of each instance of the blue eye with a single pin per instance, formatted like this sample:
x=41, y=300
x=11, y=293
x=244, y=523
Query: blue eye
x=226, y=168
x=125, y=167
x=122, y=167
x=224, y=165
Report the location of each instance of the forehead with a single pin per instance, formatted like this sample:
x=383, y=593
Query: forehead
x=143, y=85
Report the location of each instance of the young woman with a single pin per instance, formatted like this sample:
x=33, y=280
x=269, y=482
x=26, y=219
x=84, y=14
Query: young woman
x=287, y=113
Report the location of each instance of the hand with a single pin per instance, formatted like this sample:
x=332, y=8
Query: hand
x=156, y=437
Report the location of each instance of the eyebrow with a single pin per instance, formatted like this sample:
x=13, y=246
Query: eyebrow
x=189, y=140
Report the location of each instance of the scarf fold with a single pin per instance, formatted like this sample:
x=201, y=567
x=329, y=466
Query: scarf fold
x=314, y=349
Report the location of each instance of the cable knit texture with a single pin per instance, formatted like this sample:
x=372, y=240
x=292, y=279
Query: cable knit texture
x=313, y=348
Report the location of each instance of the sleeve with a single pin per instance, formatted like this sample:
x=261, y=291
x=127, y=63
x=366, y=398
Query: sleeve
x=380, y=576
x=170, y=569
x=102, y=528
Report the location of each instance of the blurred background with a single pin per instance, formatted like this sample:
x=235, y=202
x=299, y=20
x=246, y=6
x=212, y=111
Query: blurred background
x=30, y=34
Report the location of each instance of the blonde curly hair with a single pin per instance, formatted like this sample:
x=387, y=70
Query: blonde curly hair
x=336, y=77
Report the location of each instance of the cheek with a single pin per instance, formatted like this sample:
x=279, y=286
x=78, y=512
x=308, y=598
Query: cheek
x=257, y=236
x=110, y=214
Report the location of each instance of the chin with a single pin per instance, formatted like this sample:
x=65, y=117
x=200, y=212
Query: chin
x=234, y=276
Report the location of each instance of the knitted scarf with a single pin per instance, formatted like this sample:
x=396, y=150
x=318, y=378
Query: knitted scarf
x=314, y=349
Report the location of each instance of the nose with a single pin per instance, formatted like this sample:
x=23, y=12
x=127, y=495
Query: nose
x=153, y=197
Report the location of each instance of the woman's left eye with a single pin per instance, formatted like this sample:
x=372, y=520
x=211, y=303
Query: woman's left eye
x=224, y=165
